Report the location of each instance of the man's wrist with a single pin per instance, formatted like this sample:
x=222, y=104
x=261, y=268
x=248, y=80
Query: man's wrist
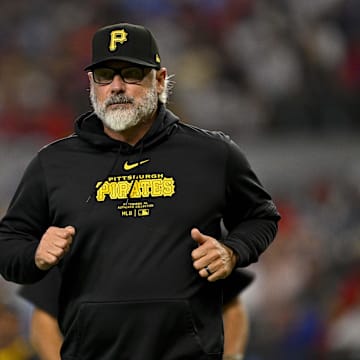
x=234, y=257
x=233, y=357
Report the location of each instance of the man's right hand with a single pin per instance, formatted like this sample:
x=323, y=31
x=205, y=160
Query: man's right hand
x=54, y=244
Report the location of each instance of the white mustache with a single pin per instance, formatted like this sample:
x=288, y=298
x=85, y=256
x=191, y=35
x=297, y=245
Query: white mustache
x=119, y=99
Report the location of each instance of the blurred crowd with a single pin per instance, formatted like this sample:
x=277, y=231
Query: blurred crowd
x=305, y=303
x=266, y=65
x=252, y=68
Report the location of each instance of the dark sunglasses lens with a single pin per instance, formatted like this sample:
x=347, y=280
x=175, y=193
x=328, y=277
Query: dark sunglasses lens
x=103, y=75
x=132, y=75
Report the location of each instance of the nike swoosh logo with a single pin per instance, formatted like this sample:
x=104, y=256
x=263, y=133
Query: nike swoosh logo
x=128, y=166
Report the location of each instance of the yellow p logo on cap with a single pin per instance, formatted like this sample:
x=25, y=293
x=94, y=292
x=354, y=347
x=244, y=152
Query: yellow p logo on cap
x=117, y=36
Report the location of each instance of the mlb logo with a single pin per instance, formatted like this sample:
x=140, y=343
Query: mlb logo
x=143, y=212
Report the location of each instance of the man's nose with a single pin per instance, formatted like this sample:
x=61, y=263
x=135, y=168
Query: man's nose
x=118, y=84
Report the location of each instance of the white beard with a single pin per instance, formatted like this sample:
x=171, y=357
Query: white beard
x=120, y=119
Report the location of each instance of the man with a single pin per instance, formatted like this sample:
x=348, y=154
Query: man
x=130, y=209
x=46, y=338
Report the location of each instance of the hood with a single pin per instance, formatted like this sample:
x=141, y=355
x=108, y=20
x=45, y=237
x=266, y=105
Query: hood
x=90, y=129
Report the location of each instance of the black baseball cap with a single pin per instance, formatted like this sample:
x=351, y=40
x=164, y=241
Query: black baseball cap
x=126, y=42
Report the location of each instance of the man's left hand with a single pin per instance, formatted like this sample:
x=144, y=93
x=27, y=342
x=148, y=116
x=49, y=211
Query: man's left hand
x=212, y=259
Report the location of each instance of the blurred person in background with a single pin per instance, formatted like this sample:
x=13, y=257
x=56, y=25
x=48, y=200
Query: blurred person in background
x=343, y=330
x=130, y=209
x=12, y=344
x=46, y=337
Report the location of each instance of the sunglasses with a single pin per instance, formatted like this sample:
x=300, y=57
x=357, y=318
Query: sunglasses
x=130, y=75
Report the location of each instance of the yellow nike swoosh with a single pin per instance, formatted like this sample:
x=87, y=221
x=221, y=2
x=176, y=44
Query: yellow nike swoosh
x=128, y=166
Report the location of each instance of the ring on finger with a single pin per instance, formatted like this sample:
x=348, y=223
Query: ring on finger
x=208, y=270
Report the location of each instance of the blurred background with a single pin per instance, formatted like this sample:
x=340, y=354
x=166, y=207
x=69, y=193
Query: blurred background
x=282, y=77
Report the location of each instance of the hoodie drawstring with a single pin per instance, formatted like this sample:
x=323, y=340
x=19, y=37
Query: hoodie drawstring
x=128, y=196
x=108, y=174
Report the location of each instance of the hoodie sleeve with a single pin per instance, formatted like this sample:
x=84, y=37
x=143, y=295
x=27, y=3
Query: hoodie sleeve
x=23, y=226
x=251, y=216
x=45, y=293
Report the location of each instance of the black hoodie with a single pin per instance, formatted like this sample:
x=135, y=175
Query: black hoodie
x=129, y=290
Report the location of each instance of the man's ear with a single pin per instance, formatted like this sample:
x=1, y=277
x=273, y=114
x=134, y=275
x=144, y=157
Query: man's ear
x=160, y=77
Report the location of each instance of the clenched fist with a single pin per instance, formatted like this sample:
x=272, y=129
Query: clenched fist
x=54, y=244
x=211, y=258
